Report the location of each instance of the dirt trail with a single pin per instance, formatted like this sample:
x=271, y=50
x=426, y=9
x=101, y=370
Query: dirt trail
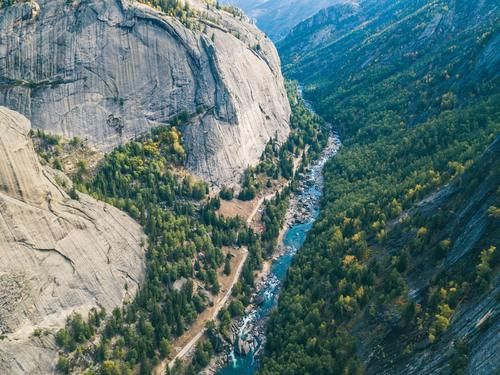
x=261, y=201
x=185, y=343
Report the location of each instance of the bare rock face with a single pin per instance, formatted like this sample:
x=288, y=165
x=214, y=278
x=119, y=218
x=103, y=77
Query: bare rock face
x=58, y=255
x=109, y=70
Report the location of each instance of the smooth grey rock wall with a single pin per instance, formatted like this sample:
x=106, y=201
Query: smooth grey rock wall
x=109, y=70
x=57, y=255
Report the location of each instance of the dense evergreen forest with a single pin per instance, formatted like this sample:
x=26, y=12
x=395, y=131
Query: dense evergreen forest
x=385, y=268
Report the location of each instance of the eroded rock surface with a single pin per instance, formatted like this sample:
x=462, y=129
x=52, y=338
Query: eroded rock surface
x=57, y=255
x=110, y=70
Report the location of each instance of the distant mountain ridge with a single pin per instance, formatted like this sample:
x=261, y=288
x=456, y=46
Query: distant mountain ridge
x=278, y=17
x=384, y=32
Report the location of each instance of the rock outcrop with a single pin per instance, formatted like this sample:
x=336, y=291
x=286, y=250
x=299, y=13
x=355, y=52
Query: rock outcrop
x=109, y=70
x=58, y=255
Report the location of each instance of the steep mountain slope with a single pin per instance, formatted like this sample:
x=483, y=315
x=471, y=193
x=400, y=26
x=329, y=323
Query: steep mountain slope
x=400, y=274
x=278, y=17
x=110, y=70
x=465, y=277
x=59, y=255
x=418, y=50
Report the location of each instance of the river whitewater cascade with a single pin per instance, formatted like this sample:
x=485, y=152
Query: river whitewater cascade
x=303, y=210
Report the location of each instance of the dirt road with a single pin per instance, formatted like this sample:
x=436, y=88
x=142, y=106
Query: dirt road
x=185, y=343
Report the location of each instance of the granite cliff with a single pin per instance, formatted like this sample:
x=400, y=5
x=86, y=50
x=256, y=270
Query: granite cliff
x=59, y=255
x=110, y=70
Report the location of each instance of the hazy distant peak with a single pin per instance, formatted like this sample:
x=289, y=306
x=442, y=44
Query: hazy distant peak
x=278, y=17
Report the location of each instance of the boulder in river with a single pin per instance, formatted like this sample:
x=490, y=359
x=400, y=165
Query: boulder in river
x=258, y=300
x=243, y=347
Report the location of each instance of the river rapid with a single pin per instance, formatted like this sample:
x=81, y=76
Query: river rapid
x=303, y=210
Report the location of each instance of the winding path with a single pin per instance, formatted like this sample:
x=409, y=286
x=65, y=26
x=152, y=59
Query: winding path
x=189, y=339
x=265, y=198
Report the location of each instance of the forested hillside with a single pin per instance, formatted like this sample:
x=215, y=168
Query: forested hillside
x=400, y=273
x=185, y=241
